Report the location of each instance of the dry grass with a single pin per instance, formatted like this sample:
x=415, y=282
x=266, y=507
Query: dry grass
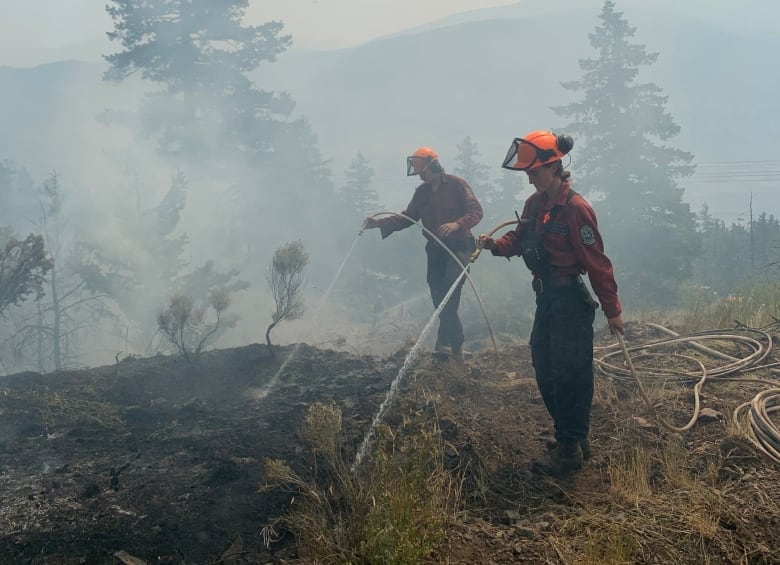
x=754, y=306
x=394, y=511
x=60, y=408
x=664, y=505
x=654, y=512
x=629, y=476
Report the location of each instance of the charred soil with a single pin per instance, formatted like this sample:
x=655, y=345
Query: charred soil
x=160, y=460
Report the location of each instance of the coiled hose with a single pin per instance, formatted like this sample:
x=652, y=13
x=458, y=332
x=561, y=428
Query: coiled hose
x=752, y=418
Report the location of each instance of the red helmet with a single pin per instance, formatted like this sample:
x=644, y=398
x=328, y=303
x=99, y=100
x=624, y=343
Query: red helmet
x=538, y=148
x=420, y=160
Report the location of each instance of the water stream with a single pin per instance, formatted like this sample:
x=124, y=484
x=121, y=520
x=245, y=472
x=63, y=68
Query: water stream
x=411, y=357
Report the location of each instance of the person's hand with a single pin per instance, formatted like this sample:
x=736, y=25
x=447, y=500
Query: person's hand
x=486, y=242
x=616, y=325
x=370, y=223
x=448, y=229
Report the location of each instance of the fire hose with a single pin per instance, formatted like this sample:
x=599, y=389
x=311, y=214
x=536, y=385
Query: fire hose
x=752, y=418
x=454, y=258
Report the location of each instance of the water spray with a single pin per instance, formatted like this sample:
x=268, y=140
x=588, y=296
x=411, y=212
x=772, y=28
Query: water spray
x=454, y=258
x=411, y=357
x=414, y=352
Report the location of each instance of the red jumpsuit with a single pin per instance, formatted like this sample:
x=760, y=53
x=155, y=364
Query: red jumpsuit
x=452, y=201
x=562, y=335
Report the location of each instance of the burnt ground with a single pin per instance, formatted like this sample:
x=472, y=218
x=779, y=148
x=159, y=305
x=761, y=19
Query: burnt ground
x=162, y=460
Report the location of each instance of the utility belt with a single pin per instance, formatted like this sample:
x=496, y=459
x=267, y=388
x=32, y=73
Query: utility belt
x=549, y=283
x=540, y=284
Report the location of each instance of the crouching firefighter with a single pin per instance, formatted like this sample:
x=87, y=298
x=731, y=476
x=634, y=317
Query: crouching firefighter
x=559, y=243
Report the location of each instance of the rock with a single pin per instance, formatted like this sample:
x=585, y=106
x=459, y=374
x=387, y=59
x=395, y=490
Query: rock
x=710, y=415
x=642, y=422
x=511, y=515
x=525, y=532
x=128, y=559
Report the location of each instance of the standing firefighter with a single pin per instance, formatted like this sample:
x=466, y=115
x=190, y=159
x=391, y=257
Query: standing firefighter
x=559, y=244
x=447, y=207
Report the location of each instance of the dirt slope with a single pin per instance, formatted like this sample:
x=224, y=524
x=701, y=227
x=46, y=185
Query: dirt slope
x=162, y=460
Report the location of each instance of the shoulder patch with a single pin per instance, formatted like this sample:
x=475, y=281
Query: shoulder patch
x=588, y=235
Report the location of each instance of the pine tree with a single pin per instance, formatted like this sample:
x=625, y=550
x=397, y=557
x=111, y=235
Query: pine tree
x=145, y=265
x=509, y=196
x=201, y=53
x=209, y=116
x=477, y=174
x=69, y=309
x=357, y=193
x=23, y=267
x=623, y=162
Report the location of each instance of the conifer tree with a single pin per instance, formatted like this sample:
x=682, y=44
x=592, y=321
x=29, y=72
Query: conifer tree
x=477, y=174
x=625, y=165
x=200, y=52
x=357, y=193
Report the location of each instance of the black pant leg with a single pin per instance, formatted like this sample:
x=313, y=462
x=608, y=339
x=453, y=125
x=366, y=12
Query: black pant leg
x=443, y=271
x=565, y=365
x=541, y=356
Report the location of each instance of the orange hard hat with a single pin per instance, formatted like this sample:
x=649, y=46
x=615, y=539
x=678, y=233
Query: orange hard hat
x=420, y=160
x=538, y=148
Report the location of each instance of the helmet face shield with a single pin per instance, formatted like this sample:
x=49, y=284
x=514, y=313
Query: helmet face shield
x=416, y=165
x=524, y=156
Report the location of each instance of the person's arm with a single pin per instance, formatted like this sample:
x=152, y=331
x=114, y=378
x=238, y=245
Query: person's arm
x=390, y=224
x=472, y=209
x=589, y=249
x=508, y=245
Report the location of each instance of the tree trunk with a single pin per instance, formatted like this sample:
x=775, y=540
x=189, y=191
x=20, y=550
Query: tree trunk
x=268, y=336
x=57, y=323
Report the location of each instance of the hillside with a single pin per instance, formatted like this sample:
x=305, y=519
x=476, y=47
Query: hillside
x=435, y=87
x=162, y=460
x=759, y=19
x=491, y=75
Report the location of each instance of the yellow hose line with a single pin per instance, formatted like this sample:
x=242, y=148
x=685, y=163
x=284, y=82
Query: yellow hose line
x=753, y=418
x=476, y=253
x=648, y=402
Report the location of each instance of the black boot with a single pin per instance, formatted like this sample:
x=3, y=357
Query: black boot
x=457, y=356
x=441, y=352
x=564, y=458
x=584, y=445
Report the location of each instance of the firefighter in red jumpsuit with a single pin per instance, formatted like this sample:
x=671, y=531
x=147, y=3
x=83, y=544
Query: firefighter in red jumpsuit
x=446, y=206
x=559, y=244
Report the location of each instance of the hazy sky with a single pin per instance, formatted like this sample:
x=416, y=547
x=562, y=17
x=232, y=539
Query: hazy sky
x=34, y=31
